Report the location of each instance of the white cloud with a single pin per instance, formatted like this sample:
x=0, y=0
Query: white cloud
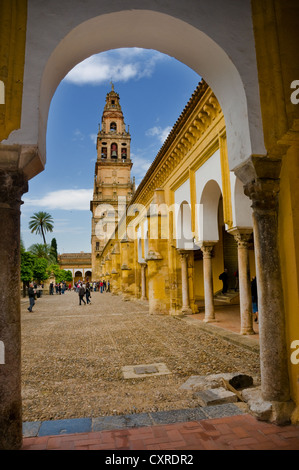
x=78, y=135
x=93, y=138
x=119, y=65
x=64, y=199
x=159, y=132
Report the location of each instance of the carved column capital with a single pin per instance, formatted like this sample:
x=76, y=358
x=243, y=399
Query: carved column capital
x=183, y=254
x=260, y=176
x=263, y=194
x=242, y=236
x=207, y=249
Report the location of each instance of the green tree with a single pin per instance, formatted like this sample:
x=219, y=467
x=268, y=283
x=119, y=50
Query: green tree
x=43, y=251
x=40, y=223
x=40, y=272
x=40, y=251
x=60, y=274
x=27, y=263
x=53, y=249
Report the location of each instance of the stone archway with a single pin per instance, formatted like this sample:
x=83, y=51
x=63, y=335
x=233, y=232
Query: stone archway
x=208, y=212
x=68, y=43
x=184, y=234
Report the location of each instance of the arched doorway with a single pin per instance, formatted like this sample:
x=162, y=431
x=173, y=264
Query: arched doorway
x=78, y=276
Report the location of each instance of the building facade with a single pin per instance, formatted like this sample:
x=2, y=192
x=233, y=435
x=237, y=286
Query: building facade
x=78, y=263
x=188, y=221
x=247, y=53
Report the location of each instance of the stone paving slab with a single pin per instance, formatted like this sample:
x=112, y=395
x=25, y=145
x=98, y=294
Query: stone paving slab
x=110, y=423
x=142, y=370
x=65, y=426
x=105, y=423
x=215, y=396
x=221, y=411
x=177, y=416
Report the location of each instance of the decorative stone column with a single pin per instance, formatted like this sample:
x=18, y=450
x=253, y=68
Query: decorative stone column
x=242, y=237
x=186, y=310
x=115, y=271
x=157, y=260
x=207, y=248
x=125, y=268
x=260, y=176
x=12, y=185
x=143, y=281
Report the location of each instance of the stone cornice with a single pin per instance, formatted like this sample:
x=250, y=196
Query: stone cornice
x=196, y=118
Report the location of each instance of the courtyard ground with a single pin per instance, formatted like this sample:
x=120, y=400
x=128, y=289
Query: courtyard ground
x=94, y=360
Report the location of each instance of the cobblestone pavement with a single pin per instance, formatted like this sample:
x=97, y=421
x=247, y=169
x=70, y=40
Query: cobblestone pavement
x=76, y=396
x=74, y=358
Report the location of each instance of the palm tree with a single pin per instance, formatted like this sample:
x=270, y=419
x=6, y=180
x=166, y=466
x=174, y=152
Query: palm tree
x=40, y=223
x=40, y=250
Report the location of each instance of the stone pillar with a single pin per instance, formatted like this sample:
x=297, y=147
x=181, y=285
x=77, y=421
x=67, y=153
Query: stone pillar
x=242, y=238
x=143, y=281
x=125, y=268
x=261, y=183
x=115, y=269
x=12, y=185
x=207, y=248
x=157, y=260
x=186, y=310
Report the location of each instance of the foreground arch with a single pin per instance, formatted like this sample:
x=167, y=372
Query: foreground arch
x=65, y=44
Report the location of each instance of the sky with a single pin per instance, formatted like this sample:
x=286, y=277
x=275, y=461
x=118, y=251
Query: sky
x=153, y=89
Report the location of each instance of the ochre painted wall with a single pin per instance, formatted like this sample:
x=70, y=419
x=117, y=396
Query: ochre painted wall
x=289, y=255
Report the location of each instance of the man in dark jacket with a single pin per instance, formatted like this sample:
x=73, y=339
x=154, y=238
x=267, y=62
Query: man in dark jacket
x=224, y=278
x=31, y=295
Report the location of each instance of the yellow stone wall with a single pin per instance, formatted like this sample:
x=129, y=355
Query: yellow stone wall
x=13, y=18
x=289, y=244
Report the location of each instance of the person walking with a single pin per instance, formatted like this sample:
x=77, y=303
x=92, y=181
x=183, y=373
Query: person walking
x=31, y=295
x=254, y=299
x=224, y=278
x=87, y=293
x=81, y=292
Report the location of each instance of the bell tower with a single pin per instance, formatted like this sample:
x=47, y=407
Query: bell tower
x=113, y=187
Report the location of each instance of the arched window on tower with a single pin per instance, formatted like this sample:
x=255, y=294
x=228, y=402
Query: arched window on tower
x=113, y=127
x=104, y=152
x=123, y=153
x=114, y=150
